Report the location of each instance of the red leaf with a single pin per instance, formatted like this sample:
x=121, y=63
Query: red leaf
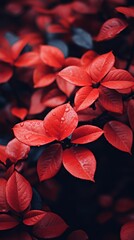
x=7, y=222
x=6, y=72
x=88, y=57
x=72, y=61
x=18, y=192
x=80, y=162
x=17, y=47
x=49, y=162
x=75, y=75
x=85, y=97
x=111, y=100
x=33, y=217
x=110, y=29
x=28, y=59
x=118, y=79
x=119, y=135
x=65, y=86
x=50, y=226
x=54, y=98
x=3, y=155
x=52, y=56
x=130, y=112
x=6, y=55
x=127, y=11
x=36, y=106
x=78, y=235
x=16, y=150
x=127, y=231
x=85, y=134
x=89, y=114
x=3, y=202
x=19, y=112
x=100, y=66
x=32, y=133
x=61, y=122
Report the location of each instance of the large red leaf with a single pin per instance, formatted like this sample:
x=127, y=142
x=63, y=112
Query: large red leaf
x=16, y=150
x=7, y=222
x=19, y=112
x=127, y=11
x=60, y=122
x=127, y=231
x=65, y=86
x=6, y=72
x=50, y=226
x=78, y=235
x=110, y=29
x=119, y=135
x=52, y=56
x=84, y=97
x=75, y=75
x=80, y=162
x=32, y=217
x=36, y=106
x=130, y=112
x=32, y=133
x=28, y=59
x=85, y=134
x=100, y=66
x=3, y=202
x=54, y=98
x=49, y=162
x=18, y=192
x=3, y=155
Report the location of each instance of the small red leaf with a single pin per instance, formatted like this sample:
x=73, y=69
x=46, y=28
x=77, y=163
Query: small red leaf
x=80, y=162
x=7, y=222
x=19, y=112
x=89, y=114
x=36, y=106
x=78, y=235
x=3, y=155
x=54, y=98
x=50, y=226
x=32, y=133
x=16, y=150
x=85, y=134
x=130, y=112
x=49, y=162
x=75, y=75
x=18, y=192
x=88, y=57
x=127, y=231
x=28, y=59
x=60, y=122
x=6, y=72
x=110, y=29
x=17, y=47
x=33, y=217
x=3, y=202
x=85, y=97
x=52, y=56
x=119, y=135
x=127, y=11
x=65, y=86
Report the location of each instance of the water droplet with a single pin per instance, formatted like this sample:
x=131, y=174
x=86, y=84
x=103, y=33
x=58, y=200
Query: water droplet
x=22, y=124
x=67, y=109
x=62, y=119
x=53, y=114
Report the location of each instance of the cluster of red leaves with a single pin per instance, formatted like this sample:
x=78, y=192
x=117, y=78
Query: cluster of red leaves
x=71, y=94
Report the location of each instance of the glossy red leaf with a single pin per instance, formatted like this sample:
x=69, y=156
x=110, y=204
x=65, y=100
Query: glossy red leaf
x=50, y=226
x=3, y=155
x=32, y=133
x=72, y=61
x=130, y=112
x=64, y=86
x=28, y=59
x=85, y=97
x=52, y=56
x=3, y=202
x=127, y=11
x=88, y=57
x=85, y=134
x=80, y=162
x=119, y=135
x=16, y=150
x=75, y=75
x=33, y=217
x=36, y=106
x=60, y=122
x=54, y=98
x=6, y=72
x=7, y=222
x=100, y=66
x=18, y=192
x=49, y=162
x=78, y=235
x=19, y=112
x=110, y=29
x=6, y=55
x=127, y=231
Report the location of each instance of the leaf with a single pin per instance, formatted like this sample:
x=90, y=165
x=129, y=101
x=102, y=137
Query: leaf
x=52, y=56
x=50, y=226
x=54, y=98
x=127, y=231
x=6, y=72
x=130, y=112
x=88, y=57
x=7, y=222
x=33, y=217
x=127, y=11
x=72, y=61
x=89, y=114
x=64, y=86
x=36, y=106
x=17, y=48
x=29, y=59
x=85, y=134
x=3, y=155
x=110, y=29
x=80, y=162
x=78, y=235
x=16, y=150
x=60, y=122
x=32, y=133
x=82, y=38
x=3, y=202
x=100, y=66
x=85, y=97
x=18, y=192
x=119, y=135
x=59, y=44
x=19, y=112
x=49, y=162
x=75, y=75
